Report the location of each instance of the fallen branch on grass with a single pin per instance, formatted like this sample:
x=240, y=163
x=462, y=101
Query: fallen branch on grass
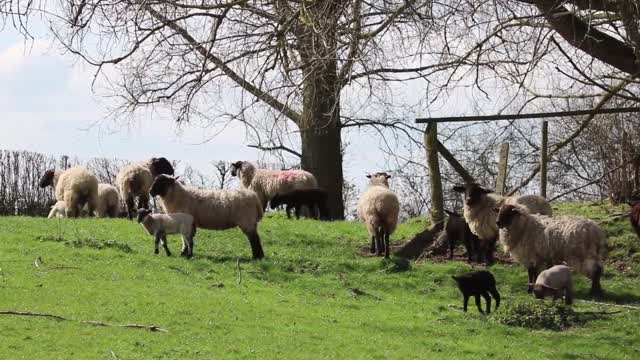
x=96, y=323
x=608, y=304
x=239, y=272
x=356, y=292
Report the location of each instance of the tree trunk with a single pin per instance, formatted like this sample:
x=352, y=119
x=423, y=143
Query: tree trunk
x=431, y=145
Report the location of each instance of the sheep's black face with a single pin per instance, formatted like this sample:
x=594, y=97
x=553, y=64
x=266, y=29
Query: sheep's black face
x=161, y=185
x=47, y=179
x=473, y=193
x=161, y=166
x=275, y=202
x=506, y=215
x=235, y=168
x=142, y=213
x=539, y=291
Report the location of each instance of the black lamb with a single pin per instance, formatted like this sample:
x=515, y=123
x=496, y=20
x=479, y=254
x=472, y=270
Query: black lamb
x=313, y=199
x=478, y=283
x=458, y=230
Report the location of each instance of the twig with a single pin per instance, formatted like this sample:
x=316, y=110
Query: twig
x=608, y=304
x=356, y=292
x=239, y=272
x=91, y=322
x=113, y=354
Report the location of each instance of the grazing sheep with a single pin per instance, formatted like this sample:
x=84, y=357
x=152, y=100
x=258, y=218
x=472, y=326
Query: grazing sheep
x=479, y=213
x=458, y=230
x=555, y=281
x=75, y=186
x=213, y=209
x=58, y=210
x=134, y=181
x=161, y=225
x=634, y=216
x=108, y=201
x=478, y=283
x=267, y=183
x=536, y=240
x=378, y=208
x=311, y=198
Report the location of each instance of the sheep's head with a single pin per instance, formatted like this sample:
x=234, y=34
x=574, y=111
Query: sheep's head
x=473, y=193
x=275, y=201
x=143, y=213
x=235, y=167
x=162, y=184
x=507, y=214
x=540, y=291
x=379, y=178
x=47, y=178
x=159, y=166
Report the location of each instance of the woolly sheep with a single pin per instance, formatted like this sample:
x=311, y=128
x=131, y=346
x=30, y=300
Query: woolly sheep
x=458, y=230
x=634, y=216
x=161, y=225
x=75, y=186
x=313, y=199
x=378, y=208
x=134, y=181
x=213, y=209
x=537, y=240
x=479, y=213
x=478, y=283
x=555, y=281
x=108, y=201
x=267, y=183
x=58, y=210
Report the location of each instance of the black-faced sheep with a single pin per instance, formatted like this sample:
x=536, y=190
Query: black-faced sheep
x=478, y=283
x=267, y=183
x=161, y=225
x=479, y=205
x=108, y=201
x=213, y=209
x=313, y=199
x=457, y=230
x=134, y=181
x=555, y=281
x=75, y=186
x=537, y=241
x=378, y=208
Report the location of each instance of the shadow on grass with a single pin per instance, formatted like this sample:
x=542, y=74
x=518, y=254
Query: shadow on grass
x=618, y=297
x=224, y=258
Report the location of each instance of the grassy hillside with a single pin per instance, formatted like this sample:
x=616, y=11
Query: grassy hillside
x=297, y=303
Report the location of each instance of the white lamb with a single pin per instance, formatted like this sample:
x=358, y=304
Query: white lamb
x=75, y=186
x=537, y=241
x=378, y=208
x=213, y=209
x=59, y=209
x=108, y=201
x=267, y=183
x=161, y=225
x=480, y=213
x=134, y=181
x=556, y=281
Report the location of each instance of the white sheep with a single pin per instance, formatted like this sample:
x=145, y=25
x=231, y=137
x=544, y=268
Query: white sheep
x=537, y=240
x=480, y=207
x=59, y=209
x=75, y=186
x=213, y=209
x=134, y=181
x=555, y=281
x=108, y=201
x=378, y=208
x=267, y=183
x=161, y=225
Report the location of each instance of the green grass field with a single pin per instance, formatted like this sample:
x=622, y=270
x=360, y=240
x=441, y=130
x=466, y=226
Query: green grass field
x=297, y=303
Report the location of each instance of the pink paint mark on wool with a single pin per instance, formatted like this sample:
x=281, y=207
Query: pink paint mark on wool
x=288, y=175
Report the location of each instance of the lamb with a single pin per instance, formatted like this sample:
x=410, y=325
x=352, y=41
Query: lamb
x=311, y=198
x=536, y=240
x=75, y=186
x=456, y=230
x=134, y=181
x=213, y=209
x=267, y=183
x=108, y=201
x=555, y=282
x=479, y=213
x=58, y=210
x=378, y=208
x=161, y=225
x=478, y=283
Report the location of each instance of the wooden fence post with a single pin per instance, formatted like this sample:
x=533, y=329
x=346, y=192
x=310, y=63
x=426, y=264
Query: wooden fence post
x=502, y=169
x=543, y=158
x=431, y=145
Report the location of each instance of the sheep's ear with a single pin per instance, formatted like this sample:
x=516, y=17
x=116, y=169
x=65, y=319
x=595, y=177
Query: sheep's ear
x=387, y=176
x=459, y=188
x=368, y=176
x=176, y=178
x=485, y=191
x=549, y=288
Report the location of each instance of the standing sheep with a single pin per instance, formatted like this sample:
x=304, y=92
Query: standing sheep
x=267, y=183
x=555, y=281
x=161, y=225
x=213, y=209
x=536, y=240
x=378, y=208
x=457, y=230
x=313, y=199
x=134, y=181
x=634, y=216
x=479, y=213
x=108, y=201
x=75, y=186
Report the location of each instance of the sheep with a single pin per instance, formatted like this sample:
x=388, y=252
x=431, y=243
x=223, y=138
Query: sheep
x=134, y=181
x=555, y=281
x=213, y=209
x=378, y=208
x=161, y=225
x=478, y=283
x=58, y=210
x=75, y=186
x=479, y=205
x=634, y=216
x=267, y=183
x=537, y=240
x=457, y=229
x=312, y=198
x=108, y=201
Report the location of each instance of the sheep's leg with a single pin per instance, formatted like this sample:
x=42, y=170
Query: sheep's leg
x=379, y=240
x=92, y=204
x=298, y=211
x=143, y=201
x=596, y=289
x=487, y=299
x=533, y=273
x=186, y=246
x=478, y=303
x=466, y=302
x=288, y=210
x=373, y=244
x=130, y=206
x=386, y=244
x=496, y=296
x=490, y=251
x=568, y=295
x=254, y=241
x=157, y=242
x=165, y=245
